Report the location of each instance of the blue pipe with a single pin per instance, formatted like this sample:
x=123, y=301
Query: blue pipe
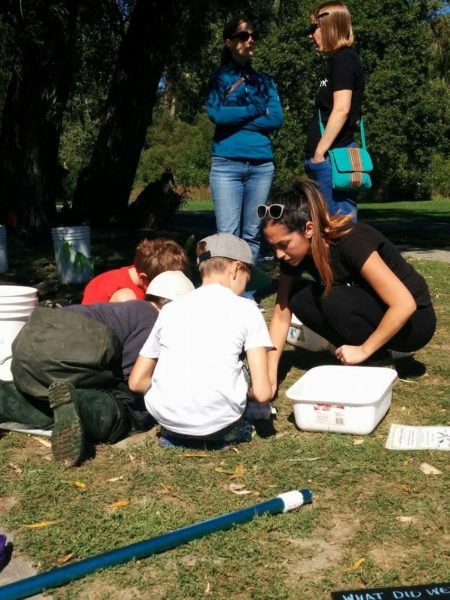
x=52, y=579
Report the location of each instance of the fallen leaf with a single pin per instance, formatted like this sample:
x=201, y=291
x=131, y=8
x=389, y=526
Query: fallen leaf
x=15, y=468
x=234, y=449
x=41, y=524
x=239, y=489
x=42, y=441
x=358, y=442
x=224, y=470
x=79, y=484
x=119, y=504
x=238, y=471
x=196, y=455
x=166, y=488
x=357, y=564
x=62, y=560
x=115, y=478
x=405, y=519
x=207, y=588
x=405, y=488
x=429, y=469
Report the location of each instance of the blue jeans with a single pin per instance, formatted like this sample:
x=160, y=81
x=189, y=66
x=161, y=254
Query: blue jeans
x=237, y=187
x=338, y=202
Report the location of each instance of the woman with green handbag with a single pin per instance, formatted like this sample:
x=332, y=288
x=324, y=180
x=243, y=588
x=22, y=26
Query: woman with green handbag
x=338, y=103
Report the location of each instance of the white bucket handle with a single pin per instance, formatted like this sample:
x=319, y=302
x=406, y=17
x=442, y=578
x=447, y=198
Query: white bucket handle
x=2, y=362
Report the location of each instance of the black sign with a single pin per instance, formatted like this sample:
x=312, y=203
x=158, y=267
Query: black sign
x=429, y=590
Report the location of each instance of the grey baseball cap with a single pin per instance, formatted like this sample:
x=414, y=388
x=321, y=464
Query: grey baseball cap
x=228, y=245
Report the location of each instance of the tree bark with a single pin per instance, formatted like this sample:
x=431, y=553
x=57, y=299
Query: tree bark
x=30, y=174
x=104, y=186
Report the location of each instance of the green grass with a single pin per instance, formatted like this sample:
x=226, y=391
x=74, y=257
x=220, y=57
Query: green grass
x=196, y=205
x=408, y=224
x=359, y=491
x=374, y=210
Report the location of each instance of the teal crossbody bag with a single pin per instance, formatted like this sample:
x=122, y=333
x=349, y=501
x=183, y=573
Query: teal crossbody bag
x=350, y=167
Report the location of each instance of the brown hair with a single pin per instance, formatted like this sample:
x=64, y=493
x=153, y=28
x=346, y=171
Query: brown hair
x=228, y=31
x=156, y=256
x=335, y=25
x=302, y=203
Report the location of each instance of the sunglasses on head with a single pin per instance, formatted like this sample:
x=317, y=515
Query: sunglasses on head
x=276, y=211
x=244, y=36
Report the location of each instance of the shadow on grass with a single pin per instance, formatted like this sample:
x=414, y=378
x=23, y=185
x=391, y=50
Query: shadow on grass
x=411, y=229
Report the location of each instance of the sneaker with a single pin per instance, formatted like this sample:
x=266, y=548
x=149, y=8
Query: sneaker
x=68, y=441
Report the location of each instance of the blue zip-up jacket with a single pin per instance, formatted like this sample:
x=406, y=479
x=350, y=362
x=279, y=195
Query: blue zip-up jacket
x=244, y=117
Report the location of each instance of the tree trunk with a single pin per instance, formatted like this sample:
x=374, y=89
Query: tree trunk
x=104, y=186
x=30, y=174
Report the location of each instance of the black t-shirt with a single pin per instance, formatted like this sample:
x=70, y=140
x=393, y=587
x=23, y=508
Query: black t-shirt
x=131, y=321
x=351, y=251
x=344, y=72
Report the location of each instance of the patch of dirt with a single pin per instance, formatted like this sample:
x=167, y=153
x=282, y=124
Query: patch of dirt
x=393, y=557
x=7, y=503
x=311, y=556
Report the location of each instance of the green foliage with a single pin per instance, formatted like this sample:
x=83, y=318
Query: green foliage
x=182, y=146
x=440, y=175
x=407, y=100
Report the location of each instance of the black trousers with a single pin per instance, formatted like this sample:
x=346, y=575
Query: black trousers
x=350, y=314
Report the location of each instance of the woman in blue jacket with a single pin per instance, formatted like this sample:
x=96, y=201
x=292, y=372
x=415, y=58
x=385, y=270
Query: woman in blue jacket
x=245, y=107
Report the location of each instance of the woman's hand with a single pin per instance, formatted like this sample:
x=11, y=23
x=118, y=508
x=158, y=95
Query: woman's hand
x=318, y=158
x=351, y=355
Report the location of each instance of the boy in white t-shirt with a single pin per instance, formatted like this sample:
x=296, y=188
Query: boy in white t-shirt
x=190, y=368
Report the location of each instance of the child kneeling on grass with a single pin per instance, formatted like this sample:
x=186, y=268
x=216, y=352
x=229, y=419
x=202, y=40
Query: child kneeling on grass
x=190, y=368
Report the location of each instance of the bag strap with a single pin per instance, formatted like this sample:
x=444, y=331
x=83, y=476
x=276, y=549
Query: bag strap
x=235, y=85
x=361, y=129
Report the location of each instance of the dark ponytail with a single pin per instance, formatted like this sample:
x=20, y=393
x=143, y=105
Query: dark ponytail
x=302, y=203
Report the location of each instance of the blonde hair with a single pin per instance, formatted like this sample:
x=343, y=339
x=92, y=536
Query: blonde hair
x=302, y=203
x=335, y=26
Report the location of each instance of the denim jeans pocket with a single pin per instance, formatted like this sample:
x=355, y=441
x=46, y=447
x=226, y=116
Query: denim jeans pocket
x=310, y=165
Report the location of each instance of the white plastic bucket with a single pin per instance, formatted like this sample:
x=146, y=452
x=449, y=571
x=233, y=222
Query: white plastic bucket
x=16, y=305
x=73, y=253
x=3, y=250
x=342, y=399
x=301, y=336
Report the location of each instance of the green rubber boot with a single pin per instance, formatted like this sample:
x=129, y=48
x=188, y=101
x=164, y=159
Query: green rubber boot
x=21, y=408
x=103, y=416
x=68, y=440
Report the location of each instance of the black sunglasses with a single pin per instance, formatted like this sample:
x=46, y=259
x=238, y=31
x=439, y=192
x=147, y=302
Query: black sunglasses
x=315, y=26
x=244, y=36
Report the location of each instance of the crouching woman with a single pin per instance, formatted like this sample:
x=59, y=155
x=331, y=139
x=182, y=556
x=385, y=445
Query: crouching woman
x=364, y=297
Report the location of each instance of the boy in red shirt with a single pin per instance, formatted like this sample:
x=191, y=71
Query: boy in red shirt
x=130, y=283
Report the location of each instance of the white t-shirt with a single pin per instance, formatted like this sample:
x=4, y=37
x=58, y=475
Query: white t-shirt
x=198, y=386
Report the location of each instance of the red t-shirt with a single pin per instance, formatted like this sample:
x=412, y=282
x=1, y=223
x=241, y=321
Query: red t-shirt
x=102, y=287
